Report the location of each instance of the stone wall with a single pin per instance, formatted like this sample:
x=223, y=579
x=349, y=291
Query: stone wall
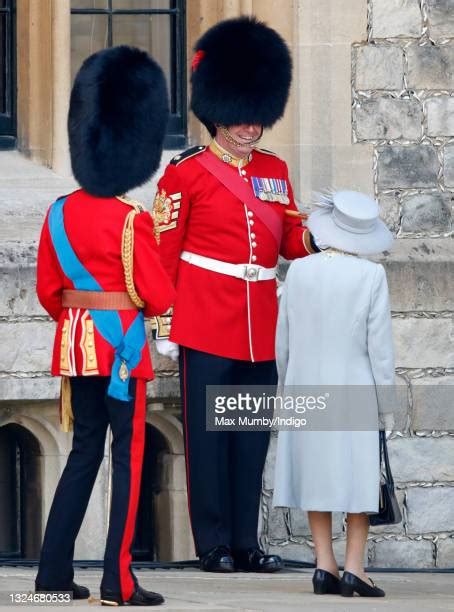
x=402, y=93
x=402, y=83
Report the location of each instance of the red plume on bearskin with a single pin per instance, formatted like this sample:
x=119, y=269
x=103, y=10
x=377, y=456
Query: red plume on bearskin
x=243, y=76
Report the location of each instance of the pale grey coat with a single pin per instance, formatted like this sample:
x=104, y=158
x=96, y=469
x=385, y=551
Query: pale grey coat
x=334, y=328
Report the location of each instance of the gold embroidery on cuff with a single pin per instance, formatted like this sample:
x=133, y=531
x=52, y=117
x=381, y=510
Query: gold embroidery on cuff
x=164, y=228
x=87, y=345
x=163, y=324
x=65, y=346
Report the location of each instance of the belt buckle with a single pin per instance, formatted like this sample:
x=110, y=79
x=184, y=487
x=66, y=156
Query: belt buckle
x=251, y=272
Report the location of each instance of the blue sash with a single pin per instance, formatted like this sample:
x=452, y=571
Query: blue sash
x=128, y=347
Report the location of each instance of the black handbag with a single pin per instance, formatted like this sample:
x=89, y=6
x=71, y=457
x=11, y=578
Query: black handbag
x=389, y=512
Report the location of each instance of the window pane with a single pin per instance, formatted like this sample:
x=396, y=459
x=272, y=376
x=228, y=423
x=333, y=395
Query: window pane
x=152, y=33
x=2, y=63
x=141, y=4
x=88, y=35
x=89, y=4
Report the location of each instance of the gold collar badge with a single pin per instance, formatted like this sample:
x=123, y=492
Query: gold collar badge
x=227, y=157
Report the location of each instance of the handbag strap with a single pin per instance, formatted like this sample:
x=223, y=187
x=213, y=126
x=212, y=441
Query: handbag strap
x=384, y=455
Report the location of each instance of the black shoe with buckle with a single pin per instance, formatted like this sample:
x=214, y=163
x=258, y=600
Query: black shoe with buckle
x=351, y=583
x=218, y=559
x=255, y=560
x=140, y=597
x=325, y=583
x=78, y=591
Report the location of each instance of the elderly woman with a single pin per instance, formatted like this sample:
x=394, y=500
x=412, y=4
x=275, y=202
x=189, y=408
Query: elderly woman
x=334, y=328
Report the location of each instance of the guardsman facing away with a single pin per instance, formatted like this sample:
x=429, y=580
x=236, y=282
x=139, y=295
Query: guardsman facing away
x=99, y=275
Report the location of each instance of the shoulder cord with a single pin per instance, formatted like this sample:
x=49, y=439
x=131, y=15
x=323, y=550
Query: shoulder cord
x=127, y=258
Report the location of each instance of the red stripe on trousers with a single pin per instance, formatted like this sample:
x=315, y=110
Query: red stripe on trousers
x=136, y=460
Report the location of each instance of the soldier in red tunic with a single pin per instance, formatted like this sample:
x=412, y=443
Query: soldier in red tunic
x=98, y=275
x=225, y=213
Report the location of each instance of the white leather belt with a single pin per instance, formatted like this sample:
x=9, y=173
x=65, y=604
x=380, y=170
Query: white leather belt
x=249, y=272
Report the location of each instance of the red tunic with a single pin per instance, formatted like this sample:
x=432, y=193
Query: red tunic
x=215, y=313
x=94, y=227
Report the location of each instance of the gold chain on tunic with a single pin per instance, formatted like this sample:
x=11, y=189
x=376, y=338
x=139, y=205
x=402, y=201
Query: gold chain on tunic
x=127, y=251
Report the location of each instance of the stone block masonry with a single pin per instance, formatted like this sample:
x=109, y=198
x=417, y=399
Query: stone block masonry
x=402, y=89
x=402, y=83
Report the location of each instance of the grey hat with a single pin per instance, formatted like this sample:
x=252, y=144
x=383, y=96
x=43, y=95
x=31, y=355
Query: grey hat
x=349, y=221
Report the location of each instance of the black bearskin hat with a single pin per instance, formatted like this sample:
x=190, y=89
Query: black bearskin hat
x=117, y=120
x=241, y=73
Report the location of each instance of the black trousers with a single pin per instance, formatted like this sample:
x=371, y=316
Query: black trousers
x=93, y=412
x=223, y=468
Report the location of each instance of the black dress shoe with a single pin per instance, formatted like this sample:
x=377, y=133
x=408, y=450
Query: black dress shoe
x=78, y=591
x=325, y=583
x=140, y=597
x=351, y=583
x=218, y=559
x=255, y=560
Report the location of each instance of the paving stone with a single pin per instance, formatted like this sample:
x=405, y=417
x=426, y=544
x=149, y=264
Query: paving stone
x=379, y=67
x=422, y=459
x=402, y=553
x=441, y=18
x=419, y=272
x=390, y=211
x=407, y=166
x=440, y=116
x=448, y=166
x=430, y=67
x=424, y=342
x=427, y=212
x=396, y=18
x=433, y=406
x=445, y=552
x=430, y=509
x=277, y=528
x=388, y=119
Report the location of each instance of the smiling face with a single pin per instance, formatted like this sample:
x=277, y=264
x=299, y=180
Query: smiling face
x=243, y=137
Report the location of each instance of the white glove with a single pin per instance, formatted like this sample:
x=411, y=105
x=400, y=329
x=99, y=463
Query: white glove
x=167, y=348
x=279, y=288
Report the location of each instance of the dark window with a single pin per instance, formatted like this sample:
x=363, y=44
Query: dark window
x=157, y=26
x=7, y=75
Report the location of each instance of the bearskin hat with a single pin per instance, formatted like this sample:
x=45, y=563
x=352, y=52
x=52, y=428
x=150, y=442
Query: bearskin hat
x=241, y=73
x=117, y=120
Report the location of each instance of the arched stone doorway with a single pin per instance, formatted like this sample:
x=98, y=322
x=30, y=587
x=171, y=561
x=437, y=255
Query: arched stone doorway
x=146, y=543
x=163, y=530
x=20, y=492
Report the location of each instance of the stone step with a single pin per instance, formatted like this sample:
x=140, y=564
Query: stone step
x=419, y=270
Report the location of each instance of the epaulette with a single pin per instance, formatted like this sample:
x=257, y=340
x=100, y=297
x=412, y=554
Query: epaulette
x=267, y=152
x=138, y=207
x=181, y=157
